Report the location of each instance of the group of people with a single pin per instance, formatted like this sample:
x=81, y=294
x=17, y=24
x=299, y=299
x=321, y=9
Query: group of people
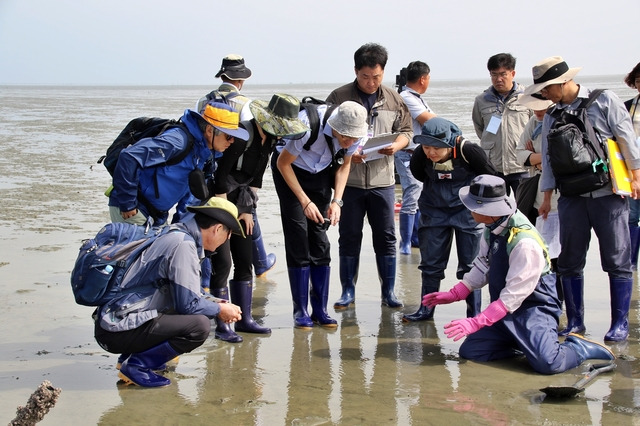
x=451, y=186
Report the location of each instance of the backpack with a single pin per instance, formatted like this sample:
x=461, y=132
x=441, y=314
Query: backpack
x=103, y=260
x=216, y=96
x=310, y=105
x=577, y=157
x=140, y=128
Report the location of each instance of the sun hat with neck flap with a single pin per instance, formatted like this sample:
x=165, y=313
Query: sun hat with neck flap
x=224, y=211
x=233, y=68
x=439, y=133
x=551, y=70
x=487, y=195
x=279, y=117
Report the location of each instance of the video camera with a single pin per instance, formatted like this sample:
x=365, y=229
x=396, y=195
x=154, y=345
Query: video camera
x=401, y=79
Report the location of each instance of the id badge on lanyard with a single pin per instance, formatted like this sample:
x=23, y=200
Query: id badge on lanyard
x=494, y=124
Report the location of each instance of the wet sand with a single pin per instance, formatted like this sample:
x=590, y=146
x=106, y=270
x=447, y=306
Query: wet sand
x=372, y=370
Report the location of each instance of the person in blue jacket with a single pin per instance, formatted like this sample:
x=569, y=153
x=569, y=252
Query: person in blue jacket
x=144, y=186
x=522, y=318
x=445, y=162
x=161, y=312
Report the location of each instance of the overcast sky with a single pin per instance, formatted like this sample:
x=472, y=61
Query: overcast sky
x=182, y=42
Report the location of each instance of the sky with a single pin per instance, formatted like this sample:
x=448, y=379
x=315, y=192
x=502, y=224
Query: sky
x=182, y=42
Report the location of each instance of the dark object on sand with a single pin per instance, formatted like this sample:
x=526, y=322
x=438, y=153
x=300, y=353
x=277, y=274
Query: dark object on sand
x=39, y=404
x=570, y=391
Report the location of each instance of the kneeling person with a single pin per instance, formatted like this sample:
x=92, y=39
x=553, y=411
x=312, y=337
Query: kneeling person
x=524, y=310
x=163, y=312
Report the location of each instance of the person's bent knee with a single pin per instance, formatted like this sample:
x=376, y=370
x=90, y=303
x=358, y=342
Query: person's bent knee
x=197, y=334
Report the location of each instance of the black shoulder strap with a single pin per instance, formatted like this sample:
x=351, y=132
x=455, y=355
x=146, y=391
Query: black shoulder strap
x=183, y=154
x=226, y=96
x=591, y=99
x=314, y=123
x=556, y=113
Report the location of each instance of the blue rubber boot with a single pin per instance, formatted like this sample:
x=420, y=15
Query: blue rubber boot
x=223, y=330
x=406, y=229
x=587, y=349
x=387, y=273
x=348, y=276
x=620, y=290
x=299, y=282
x=262, y=262
x=138, y=368
x=634, y=233
x=573, y=289
x=242, y=295
x=320, y=276
x=122, y=358
x=415, y=241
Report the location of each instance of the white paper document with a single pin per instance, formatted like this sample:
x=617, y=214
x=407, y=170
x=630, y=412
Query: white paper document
x=376, y=143
x=550, y=230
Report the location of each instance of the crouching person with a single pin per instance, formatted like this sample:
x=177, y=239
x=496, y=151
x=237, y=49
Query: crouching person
x=162, y=312
x=522, y=317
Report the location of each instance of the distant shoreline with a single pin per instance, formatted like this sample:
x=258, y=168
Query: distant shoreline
x=248, y=84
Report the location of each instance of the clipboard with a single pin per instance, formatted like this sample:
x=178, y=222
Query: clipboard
x=376, y=143
x=620, y=176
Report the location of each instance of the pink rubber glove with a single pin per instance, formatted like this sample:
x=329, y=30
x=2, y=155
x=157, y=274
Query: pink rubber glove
x=457, y=329
x=458, y=292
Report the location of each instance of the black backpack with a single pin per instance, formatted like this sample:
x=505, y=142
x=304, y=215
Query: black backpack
x=310, y=105
x=140, y=128
x=578, y=159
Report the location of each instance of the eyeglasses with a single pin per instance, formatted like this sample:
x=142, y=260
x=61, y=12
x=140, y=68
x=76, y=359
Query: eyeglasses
x=496, y=75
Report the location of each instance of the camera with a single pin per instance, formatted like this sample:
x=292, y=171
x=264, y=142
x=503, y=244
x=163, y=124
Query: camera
x=326, y=224
x=401, y=79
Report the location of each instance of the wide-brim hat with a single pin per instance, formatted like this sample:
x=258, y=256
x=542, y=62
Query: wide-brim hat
x=438, y=132
x=535, y=102
x=487, y=195
x=224, y=118
x=350, y=120
x=279, y=117
x=222, y=210
x=552, y=70
x=233, y=68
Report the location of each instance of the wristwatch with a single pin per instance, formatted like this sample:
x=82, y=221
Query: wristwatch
x=338, y=201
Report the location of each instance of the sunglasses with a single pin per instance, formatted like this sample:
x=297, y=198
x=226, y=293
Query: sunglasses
x=226, y=136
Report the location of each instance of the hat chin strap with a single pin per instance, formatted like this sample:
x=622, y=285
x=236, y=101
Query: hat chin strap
x=498, y=222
